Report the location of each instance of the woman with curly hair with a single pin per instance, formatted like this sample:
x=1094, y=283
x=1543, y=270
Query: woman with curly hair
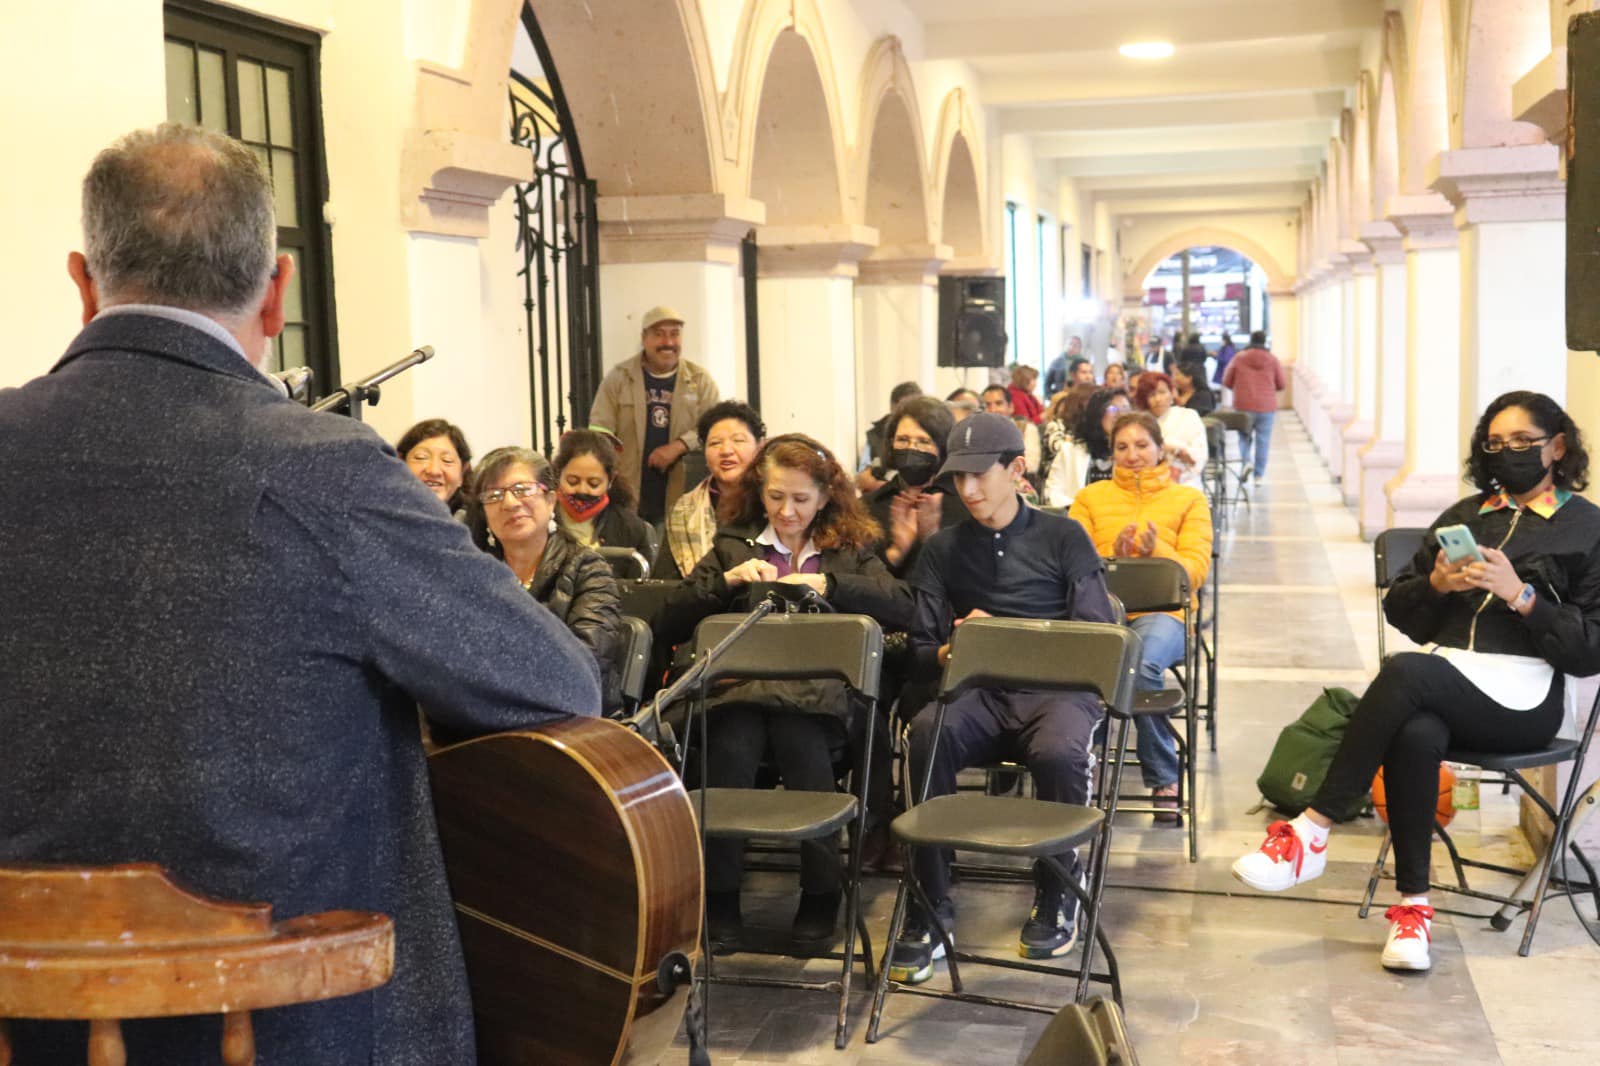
x=1498, y=632
x=794, y=518
x=1086, y=456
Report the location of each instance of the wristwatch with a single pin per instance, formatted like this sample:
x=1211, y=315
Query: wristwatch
x=1522, y=598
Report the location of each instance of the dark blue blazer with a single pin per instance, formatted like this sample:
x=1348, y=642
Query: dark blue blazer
x=218, y=613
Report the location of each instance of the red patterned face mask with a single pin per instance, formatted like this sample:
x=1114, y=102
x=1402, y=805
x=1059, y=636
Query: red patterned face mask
x=582, y=507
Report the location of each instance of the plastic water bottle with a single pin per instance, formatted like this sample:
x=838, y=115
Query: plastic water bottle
x=1464, y=797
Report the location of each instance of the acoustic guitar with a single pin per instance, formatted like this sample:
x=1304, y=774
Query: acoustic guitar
x=574, y=860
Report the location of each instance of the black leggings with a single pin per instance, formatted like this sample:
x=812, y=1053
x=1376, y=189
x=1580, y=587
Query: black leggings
x=1418, y=707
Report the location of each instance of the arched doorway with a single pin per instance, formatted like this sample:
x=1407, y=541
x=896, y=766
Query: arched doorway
x=1209, y=289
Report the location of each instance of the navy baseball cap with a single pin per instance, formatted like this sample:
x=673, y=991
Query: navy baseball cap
x=978, y=441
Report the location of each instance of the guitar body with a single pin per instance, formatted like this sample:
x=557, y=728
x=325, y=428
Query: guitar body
x=574, y=861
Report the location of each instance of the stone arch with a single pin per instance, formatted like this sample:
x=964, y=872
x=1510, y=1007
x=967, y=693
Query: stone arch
x=1502, y=41
x=958, y=184
x=1425, y=123
x=890, y=175
x=781, y=115
x=1278, y=279
x=640, y=135
x=1385, y=144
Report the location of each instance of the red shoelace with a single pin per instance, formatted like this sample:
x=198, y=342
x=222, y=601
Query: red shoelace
x=1284, y=843
x=1412, y=919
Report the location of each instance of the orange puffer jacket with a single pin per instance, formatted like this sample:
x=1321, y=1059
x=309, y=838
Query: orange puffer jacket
x=1180, y=513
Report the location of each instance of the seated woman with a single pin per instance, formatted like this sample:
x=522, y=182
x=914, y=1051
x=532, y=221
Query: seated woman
x=794, y=518
x=1143, y=513
x=437, y=453
x=1497, y=635
x=1190, y=388
x=1185, y=451
x=1062, y=419
x=596, y=505
x=515, y=492
x=1087, y=456
x=910, y=507
x=732, y=433
x=963, y=403
x=1116, y=376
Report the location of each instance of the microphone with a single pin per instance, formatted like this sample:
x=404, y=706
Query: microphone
x=296, y=382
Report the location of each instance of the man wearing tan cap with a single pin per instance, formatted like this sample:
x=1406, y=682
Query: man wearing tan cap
x=651, y=403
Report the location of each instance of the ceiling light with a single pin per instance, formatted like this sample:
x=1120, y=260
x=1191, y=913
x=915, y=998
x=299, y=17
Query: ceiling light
x=1147, y=50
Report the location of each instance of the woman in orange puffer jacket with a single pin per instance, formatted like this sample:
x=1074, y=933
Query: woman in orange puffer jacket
x=1141, y=512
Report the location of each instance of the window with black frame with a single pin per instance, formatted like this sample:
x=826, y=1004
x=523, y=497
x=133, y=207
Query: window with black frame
x=258, y=81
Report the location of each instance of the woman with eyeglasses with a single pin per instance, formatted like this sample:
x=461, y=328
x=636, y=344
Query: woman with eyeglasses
x=1499, y=627
x=910, y=506
x=795, y=519
x=731, y=433
x=515, y=504
x=1087, y=457
x=595, y=504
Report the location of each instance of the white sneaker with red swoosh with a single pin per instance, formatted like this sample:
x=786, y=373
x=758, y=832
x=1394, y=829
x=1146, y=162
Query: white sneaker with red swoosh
x=1283, y=860
x=1410, y=936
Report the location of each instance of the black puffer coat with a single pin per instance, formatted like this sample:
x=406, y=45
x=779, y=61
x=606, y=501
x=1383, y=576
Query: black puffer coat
x=576, y=585
x=858, y=581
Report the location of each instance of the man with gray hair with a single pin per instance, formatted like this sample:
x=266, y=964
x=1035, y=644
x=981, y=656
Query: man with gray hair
x=221, y=611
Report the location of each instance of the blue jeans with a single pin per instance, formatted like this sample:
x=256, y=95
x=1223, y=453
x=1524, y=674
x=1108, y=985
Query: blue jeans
x=1261, y=435
x=1163, y=647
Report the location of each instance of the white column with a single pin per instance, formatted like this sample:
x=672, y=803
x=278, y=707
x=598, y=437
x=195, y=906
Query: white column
x=1383, y=456
x=1342, y=373
x=897, y=321
x=805, y=298
x=1510, y=211
x=682, y=251
x=1430, y=479
x=1362, y=342
x=1287, y=339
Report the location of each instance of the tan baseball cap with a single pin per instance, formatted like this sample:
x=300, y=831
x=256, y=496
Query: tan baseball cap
x=657, y=315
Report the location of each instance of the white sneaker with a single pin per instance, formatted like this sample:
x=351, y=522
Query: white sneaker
x=1410, y=935
x=1283, y=860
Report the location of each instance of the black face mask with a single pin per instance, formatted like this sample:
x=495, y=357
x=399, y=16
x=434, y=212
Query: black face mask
x=916, y=468
x=1517, y=472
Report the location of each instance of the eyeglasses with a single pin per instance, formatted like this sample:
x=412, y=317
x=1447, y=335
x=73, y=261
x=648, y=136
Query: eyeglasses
x=922, y=443
x=1114, y=409
x=1494, y=446
x=521, y=490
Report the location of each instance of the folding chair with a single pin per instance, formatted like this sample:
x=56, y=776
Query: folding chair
x=1032, y=655
x=1237, y=422
x=1392, y=552
x=1161, y=585
x=1090, y=1034
x=844, y=647
x=626, y=564
x=1558, y=751
x=1214, y=474
x=633, y=662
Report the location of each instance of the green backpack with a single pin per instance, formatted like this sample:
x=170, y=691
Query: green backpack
x=1304, y=750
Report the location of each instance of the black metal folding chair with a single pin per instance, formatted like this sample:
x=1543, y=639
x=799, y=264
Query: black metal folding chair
x=1561, y=818
x=844, y=647
x=1392, y=552
x=1214, y=475
x=1028, y=655
x=633, y=661
x=626, y=564
x=1238, y=423
x=1161, y=585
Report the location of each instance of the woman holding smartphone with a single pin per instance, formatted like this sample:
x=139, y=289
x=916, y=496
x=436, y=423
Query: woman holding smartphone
x=1498, y=630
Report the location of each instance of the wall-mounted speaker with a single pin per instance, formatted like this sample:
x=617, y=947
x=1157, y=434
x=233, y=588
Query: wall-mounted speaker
x=1583, y=183
x=972, y=321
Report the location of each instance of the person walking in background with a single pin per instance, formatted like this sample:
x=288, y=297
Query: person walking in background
x=1256, y=377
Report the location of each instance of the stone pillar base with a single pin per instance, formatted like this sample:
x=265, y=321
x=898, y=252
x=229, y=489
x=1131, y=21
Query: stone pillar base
x=1340, y=415
x=1380, y=463
x=1417, y=499
x=1356, y=437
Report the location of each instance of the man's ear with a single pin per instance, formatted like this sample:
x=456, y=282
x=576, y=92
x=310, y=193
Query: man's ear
x=1018, y=467
x=272, y=302
x=78, y=270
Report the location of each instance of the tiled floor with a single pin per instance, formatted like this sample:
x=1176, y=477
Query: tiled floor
x=1212, y=973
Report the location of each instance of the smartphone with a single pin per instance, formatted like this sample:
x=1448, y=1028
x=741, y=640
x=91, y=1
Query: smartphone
x=1458, y=544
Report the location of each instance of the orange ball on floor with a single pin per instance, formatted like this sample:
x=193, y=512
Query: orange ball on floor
x=1444, y=810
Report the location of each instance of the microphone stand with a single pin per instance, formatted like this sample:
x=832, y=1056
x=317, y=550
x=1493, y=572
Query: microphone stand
x=366, y=391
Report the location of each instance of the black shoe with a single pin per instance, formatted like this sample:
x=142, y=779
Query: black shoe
x=816, y=922
x=1051, y=928
x=724, y=926
x=911, y=961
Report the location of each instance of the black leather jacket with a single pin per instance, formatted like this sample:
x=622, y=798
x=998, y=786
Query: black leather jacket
x=1558, y=556
x=576, y=585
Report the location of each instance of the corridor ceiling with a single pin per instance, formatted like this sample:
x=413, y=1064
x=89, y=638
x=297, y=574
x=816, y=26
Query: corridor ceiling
x=1237, y=119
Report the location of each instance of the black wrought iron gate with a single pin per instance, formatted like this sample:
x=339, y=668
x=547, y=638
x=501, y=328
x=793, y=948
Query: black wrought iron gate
x=559, y=241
